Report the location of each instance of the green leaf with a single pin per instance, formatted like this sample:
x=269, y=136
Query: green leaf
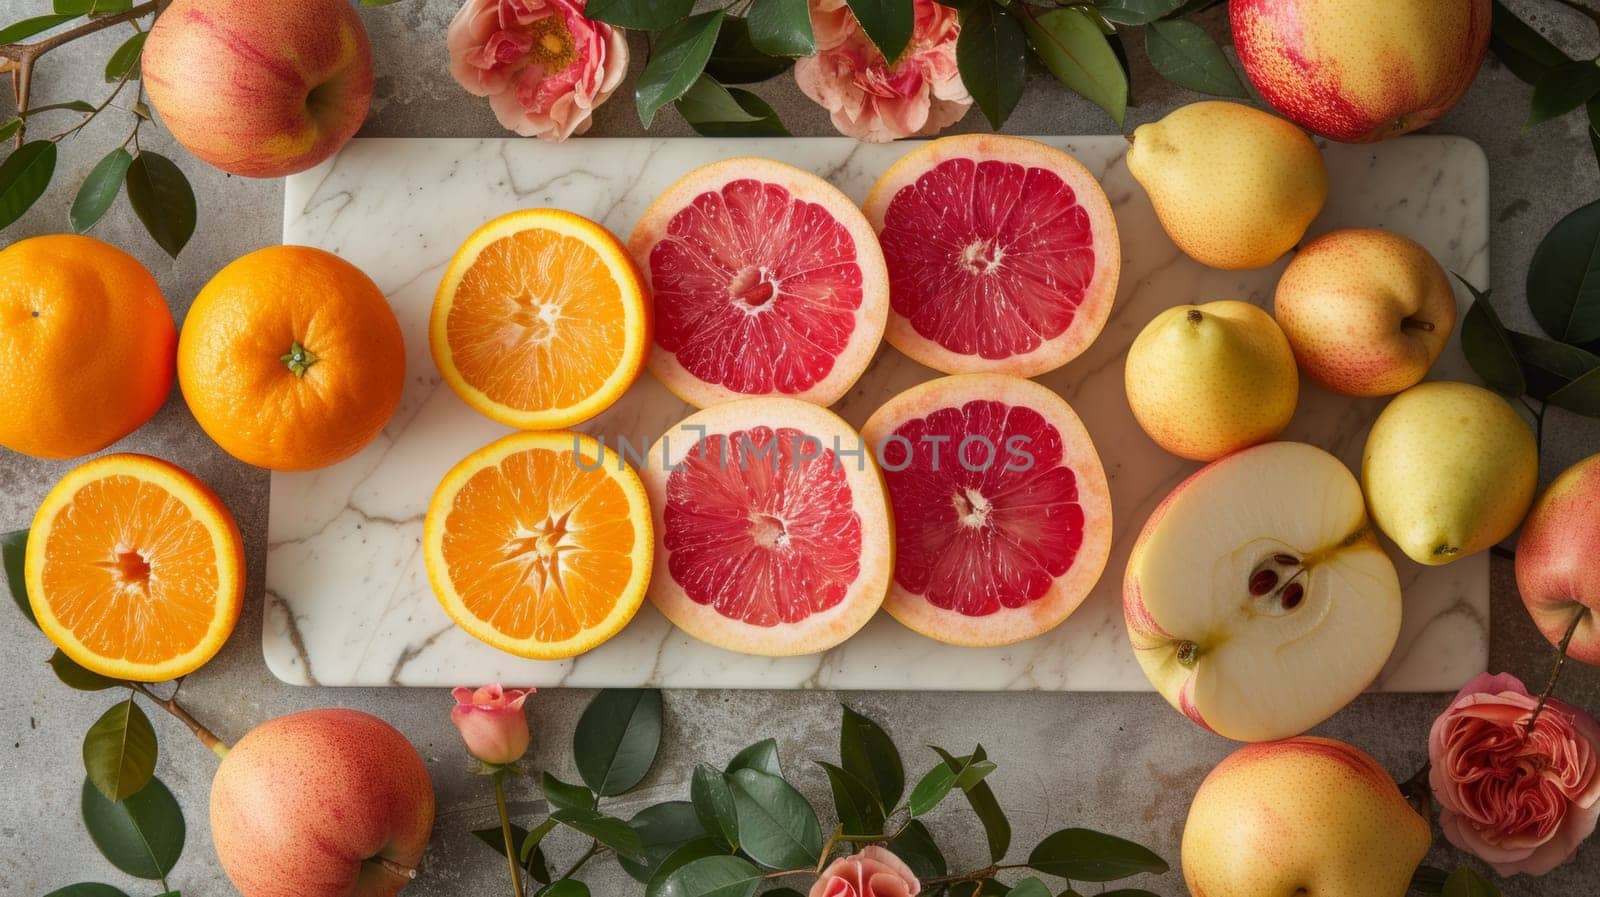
x=534, y=863
x=642, y=15
x=562, y=796
x=1563, y=89
x=1084, y=855
x=86, y=889
x=119, y=750
x=1030, y=887
x=996, y=828
x=764, y=121
x=531, y=852
x=777, y=827
x=1581, y=396
x=1526, y=52
x=715, y=876
x=24, y=175
x=29, y=27
x=617, y=738
x=566, y=887
x=1549, y=365
x=143, y=835
x=680, y=56
x=99, y=190
x=992, y=54
x=699, y=848
x=10, y=129
x=782, y=27
x=124, y=61
x=712, y=797
x=1077, y=52
x=1488, y=348
x=868, y=753
x=853, y=802
x=916, y=846
x=763, y=755
x=608, y=830
x=1187, y=56
x=1593, y=109
x=708, y=101
x=1564, y=278
x=1464, y=882
x=932, y=788
x=782, y=892
x=13, y=556
x=68, y=106
x=1428, y=880
x=1136, y=12
x=76, y=677
x=735, y=59
x=888, y=24
x=163, y=200
x=662, y=829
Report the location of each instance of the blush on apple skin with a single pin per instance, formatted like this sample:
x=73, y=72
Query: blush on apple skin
x=260, y=89
x=305, y=804
x=1361, y=78
x=1558, y=559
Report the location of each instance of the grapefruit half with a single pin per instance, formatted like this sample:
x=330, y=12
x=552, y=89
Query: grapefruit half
x=1002, y=512
x=772, y=528
x=1003, y=254
x=767, y=282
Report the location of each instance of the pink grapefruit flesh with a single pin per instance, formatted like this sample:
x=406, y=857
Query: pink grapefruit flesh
x=1001, y=507
x=772, y=529
x=1002, y=252
x=767, y=282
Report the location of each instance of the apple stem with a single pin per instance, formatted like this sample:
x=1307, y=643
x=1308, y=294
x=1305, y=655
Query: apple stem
x=1415, y=324
x=171, y=706
x=1555, y=672
x=505, y=832
x=394, y=868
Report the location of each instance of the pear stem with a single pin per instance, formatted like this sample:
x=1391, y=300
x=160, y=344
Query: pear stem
x=1415, y=324
x=1555, y=672
x=171, y=705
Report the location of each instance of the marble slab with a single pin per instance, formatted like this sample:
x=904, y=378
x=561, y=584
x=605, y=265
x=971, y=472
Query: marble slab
x=348, y=602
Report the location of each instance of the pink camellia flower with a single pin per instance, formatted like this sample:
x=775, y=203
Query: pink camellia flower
x=871, y=99
x=492, y=722
x=1522, y=801
x=544, y=65
x=874, y=872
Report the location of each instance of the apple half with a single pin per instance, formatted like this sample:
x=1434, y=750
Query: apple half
x=1257, y=597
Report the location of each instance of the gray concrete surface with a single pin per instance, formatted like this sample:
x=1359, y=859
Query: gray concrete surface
x=1122, y=763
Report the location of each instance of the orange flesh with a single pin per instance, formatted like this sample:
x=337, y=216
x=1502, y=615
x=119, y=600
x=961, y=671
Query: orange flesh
x=537, y=321
x=131, y=572
x=538, y=547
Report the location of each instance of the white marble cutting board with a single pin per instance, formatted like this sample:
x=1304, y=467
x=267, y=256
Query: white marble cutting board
x=348, y=602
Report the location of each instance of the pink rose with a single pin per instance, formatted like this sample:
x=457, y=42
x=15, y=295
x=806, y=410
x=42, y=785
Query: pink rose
x=492, y=722
x=874, y=872
x=872, y=100
x=544, y=65
x=1522, y=801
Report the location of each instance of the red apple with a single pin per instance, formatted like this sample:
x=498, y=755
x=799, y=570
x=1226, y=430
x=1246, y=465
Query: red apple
x=1364, y=70
x=260, y=89
x=322, y=803
x=1558, y=559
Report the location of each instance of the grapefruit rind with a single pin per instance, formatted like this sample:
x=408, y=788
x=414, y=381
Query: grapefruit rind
x=204, y=506
x=822, y=630
x=636, y=322
x=590, y=451
x=1067, y=593
x=1090, y=317
x=871, y=317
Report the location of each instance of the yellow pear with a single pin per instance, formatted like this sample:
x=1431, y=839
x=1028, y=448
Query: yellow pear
x=1233, y=186
x=1449, y=469
x=1306, y=817
x=1207, y=380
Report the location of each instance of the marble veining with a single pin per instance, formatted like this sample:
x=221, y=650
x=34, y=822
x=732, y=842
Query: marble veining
x=348, y=601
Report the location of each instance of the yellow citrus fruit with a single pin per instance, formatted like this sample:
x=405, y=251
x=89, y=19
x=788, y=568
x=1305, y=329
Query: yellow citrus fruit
x=541, y=321
x=291, y=359
x=135, y=569
x=540, y=544
x=86, y=344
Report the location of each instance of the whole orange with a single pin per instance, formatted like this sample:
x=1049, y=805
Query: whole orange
x=291, y=359
x=86, y=344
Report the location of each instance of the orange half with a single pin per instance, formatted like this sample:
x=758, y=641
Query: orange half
x=540, y=544
x=135, y=569
x=541, y=321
